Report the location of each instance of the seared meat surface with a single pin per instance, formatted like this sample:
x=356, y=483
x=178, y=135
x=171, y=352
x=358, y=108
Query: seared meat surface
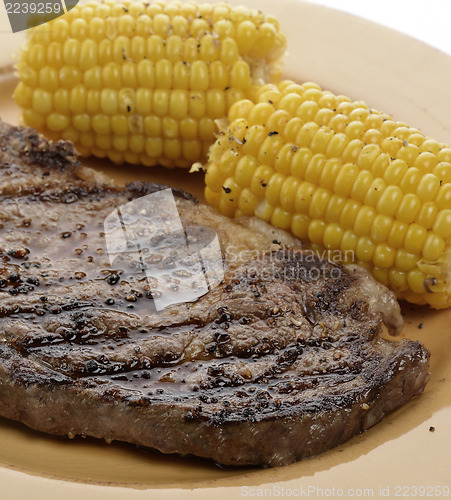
x=278, y=362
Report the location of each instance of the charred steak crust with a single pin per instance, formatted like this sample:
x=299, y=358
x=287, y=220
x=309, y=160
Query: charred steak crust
x=278, y=363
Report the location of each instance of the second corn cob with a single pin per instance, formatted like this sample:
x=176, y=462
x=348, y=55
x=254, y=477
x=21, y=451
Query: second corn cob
x=144, y=82
x=343, y=177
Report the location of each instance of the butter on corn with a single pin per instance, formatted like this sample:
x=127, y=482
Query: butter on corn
x=345, y=179
x=144, y=82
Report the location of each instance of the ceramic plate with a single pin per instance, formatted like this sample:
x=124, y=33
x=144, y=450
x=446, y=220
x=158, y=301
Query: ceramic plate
x=390, y=72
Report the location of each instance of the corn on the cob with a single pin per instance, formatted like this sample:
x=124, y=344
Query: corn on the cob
x=144, y=82
x=344, y=178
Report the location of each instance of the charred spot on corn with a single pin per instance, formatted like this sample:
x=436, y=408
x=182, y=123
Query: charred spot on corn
x=343, y=178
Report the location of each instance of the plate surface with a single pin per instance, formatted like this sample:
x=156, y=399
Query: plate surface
x=391, y=72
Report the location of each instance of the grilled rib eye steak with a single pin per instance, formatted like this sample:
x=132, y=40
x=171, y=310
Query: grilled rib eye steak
x=275, y=364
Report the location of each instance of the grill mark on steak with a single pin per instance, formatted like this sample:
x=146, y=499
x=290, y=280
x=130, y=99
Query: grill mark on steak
x=278, y=363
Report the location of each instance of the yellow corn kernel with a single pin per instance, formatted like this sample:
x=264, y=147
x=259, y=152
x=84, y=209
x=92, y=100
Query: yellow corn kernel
x=319, y=203
x=426, y=161
x=77, y=100
x=79, y=29
x=268, y=151
x=349, y=213
x=263, y=210
x=443, y=153
x=307, y=111
x=283, y=159
x=290, y=103
x=87, y=140
x=428, y=187
x=364, y=249
x=332, y=236
x=215, y=103
x=206, y=129
x=23, y=95
x=41, y=102
x=352, y=151
x=417, y=138
x=101, y=124
x=281, y=218
x=227, y=165
x=92, y=78
x=368, y=156
x=328, y=173
x=374, y=192
x=303, y=197
x=364, y=220
x=69, y=76
x=433, y=248
x=260, y=113
x=245, y=169
x=404, y=260
x=397, y=234
x=88, y=54
x=334, y=208
x=443, y=172
x=339, y=123
x=316, y=231
x=323, y=116
x=397, y=280
x=381, y=275
x=355, y=129
x=211, y=197
x=427, y=214
x=103, y=142
x=314, y=168
x=306, y=134
x=380, y=228
x=247, y=202
x=321, y=139
x=442, y=224
x=361, y=185
x=56, y=122
x=380, y=165
x=345, y=179
x=273, y=187
x=415, y=238
x=390, y=200
x=128, y=75
x=48, y=78
x=444, y=196
x=288, y=193
x=300, y=161
x=82, y=122
x=277, y=121
x=416, y=279
x=191, y=150
x=154, y=146
x=395, y=172
x=337, y=145
x=299, y=225
x=260, y=180
x=170, y=129
x=34, y=119
x=410, y=180
x=409, y=152
x=384, y=256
